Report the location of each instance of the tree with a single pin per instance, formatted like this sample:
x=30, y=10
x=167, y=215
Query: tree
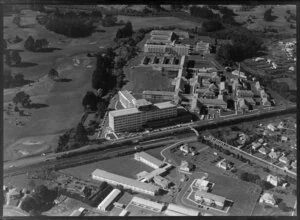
x=7, y=79
x=17, y=20
x=19, y=78
x=268, y=15
x=90, y=101
x=23, y=98
x=212, y=25
x=31, y=184
x=29, y=44
x=12, y=58
x=4, y=44
x=81, y=134
x=40, y=44
x=52, y=74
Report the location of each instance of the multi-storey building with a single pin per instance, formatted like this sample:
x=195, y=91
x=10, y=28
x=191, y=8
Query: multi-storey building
x=135, y=118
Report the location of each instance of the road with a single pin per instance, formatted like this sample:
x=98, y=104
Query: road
x=48, y=159
x=24, y=166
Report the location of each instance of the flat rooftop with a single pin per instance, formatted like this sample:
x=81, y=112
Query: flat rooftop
x=150, y=158
x=211, y=196
x=124, y=180
x=127, y=95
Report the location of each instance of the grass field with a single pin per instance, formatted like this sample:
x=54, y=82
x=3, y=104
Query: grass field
x=144, y=22
x=62, y=100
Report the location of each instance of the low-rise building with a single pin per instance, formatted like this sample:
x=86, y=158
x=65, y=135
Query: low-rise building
x=283, y=159
x=106, y=203
x=209, y=198
x=202, y=184
x=294, y=164
x=256, y=145
x=184, y=148
x=239, y=74
x=162, y=182
x=177, y=210
x=223, y=164
x=126, y=182
x=273, y=154
x=148, y=159
x=274, y=180
x=262, y=150
x=271, y=127
x=185, y=166
x=144, y=203
x=267, y=198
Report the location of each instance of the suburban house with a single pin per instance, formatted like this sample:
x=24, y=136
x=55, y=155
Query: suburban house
x=224, y=164
x=268, y=199
x=262, y=150
x=256, y=145
x=274, y=180
x=184, y=148
x=274, y=155
x=271, y=127
x=283, y=159
x=185, y=166
x=294, y=164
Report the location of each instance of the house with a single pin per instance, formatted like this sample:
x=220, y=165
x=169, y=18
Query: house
x=256, y=145
x=202, y=184
x=274, y=180
x=185, y=166
x=184, y=148
x=262, y=150
x=261, y=140
x=284, y=138
x=271, y=127
x=281, y=125
x=273, y=155
x=224, y=164
x=294, y=164
x=268, y=199
x=283, y=159
x=266, y=102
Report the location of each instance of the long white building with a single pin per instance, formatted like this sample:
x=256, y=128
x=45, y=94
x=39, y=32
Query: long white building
x=126, y=182
x=148, y=160
x=103, y=206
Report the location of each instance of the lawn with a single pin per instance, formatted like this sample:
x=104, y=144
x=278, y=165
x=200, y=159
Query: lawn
x=62, y=100
x=243, y=194
x=145, y=78
x=144, y=22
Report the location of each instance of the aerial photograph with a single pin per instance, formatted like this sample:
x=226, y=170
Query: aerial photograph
x=149, y=110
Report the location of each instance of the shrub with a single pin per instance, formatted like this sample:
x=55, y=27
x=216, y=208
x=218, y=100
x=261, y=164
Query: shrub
x=69, y=24
x=268, y=15
x=212, y=25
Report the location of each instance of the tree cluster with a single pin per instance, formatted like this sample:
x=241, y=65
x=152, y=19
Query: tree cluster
x=10, y=81
x=69, y=24
x=245, y=45
x=203, y=12
x=212, y=25
x=109, y=20
x=17, y=20
x=254, y=178
x=22, y=98
x=73, y=139
x=126, y=31
x=40, y=200
x=35, y=45
x=12, y=58
x=268, y=15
